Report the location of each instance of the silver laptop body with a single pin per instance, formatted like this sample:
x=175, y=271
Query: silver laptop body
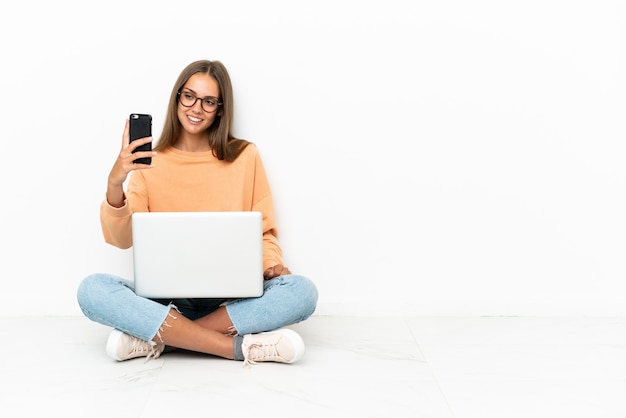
x=198, y=254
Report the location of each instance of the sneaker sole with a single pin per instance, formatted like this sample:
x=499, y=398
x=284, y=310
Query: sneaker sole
x=112, y=342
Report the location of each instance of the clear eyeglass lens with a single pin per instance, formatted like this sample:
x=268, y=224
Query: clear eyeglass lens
x=188, y=100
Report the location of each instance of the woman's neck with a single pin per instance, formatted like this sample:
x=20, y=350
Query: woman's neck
x=192, y=143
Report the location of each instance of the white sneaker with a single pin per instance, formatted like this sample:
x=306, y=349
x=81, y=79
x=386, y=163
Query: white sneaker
x=282, y=346
x=121, y=346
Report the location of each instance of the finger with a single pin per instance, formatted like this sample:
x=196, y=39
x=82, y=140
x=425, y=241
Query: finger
x=139, y=142
x=141, y=154
x=126, y=135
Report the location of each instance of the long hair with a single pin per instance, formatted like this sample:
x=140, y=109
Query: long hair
x=222, y=143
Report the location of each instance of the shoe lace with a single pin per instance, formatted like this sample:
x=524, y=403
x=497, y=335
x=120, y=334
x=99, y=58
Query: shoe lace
x=260, y=351
x=153, y=350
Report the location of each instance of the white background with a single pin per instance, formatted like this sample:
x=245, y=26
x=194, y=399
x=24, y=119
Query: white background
x=428, y=158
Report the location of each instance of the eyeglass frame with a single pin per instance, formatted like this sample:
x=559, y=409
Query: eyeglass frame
x=179, y=93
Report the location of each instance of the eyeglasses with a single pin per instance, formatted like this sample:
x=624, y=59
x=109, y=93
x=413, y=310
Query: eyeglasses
x=209, y=104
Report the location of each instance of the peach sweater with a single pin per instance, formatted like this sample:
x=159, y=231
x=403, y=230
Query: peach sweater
x=191, y=182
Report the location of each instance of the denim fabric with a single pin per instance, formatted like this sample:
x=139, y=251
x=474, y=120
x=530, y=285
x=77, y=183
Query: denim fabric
x=111, y=300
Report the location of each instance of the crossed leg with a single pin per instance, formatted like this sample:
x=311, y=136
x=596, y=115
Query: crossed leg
x=209, y=334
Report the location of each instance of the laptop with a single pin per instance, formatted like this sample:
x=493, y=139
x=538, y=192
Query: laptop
x=198, y=254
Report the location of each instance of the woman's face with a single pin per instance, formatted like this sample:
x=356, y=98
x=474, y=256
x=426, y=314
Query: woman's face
x=195, y=119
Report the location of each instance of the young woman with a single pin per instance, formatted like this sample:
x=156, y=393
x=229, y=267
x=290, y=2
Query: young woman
x=197, y=165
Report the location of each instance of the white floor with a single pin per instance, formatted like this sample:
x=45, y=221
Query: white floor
x=354, y=367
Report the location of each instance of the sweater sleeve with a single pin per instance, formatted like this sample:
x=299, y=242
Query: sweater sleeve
x=117, y=222
x=262, y=202
x=272, y=253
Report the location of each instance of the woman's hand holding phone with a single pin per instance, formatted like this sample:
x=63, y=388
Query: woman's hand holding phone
x=127, y=161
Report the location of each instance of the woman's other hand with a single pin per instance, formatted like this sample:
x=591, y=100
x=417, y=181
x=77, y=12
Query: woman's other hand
x=277, y=270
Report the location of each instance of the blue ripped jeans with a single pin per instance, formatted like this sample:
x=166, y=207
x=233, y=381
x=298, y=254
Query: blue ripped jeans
x=111, y=300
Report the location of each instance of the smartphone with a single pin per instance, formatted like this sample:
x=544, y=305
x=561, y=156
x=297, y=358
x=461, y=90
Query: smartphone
x=141, y=127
